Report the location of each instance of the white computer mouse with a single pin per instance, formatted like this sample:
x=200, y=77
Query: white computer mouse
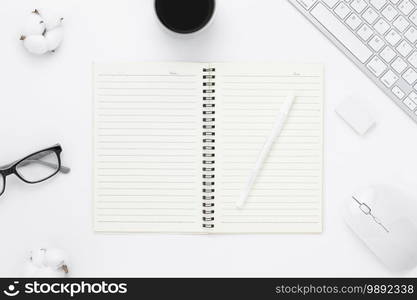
x=385, y=218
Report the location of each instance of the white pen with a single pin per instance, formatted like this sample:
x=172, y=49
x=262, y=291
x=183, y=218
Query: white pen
x=276, y=131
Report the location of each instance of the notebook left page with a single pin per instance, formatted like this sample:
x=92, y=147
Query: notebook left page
x=147, y=147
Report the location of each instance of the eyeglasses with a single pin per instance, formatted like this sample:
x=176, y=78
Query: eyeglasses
x=34, y=168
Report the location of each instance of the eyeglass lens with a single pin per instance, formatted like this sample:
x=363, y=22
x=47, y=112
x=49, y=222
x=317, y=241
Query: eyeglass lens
x=39, y=166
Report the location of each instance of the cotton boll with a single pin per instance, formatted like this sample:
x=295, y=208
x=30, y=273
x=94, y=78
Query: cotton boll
x=54, y=24
x=35, y=44
x=54, y=38
x=37, y=257
x=39, y=37
x=47, y=262
x=34, y=25
x=55, y=258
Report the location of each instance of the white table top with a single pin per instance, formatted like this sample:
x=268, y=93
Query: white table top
x=45, y=100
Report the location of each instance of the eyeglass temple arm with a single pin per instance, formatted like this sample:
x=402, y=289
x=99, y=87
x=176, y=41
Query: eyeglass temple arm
x=63, y=169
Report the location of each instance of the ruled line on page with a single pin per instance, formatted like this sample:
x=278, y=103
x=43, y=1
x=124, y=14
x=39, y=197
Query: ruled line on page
x=145, y=95
x=148, y=222
x=269, y=76
x=270, y=222
x=143, y=75
x=146, y=81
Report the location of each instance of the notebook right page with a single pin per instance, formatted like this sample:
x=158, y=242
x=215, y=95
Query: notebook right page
x=287, y=196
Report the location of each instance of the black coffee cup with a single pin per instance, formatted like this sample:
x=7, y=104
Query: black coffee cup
x=185, y=16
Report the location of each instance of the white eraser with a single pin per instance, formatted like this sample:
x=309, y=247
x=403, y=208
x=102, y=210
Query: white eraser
x=356, y=114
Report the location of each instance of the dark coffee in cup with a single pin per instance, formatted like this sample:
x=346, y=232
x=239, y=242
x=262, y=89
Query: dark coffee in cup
x=184, y=16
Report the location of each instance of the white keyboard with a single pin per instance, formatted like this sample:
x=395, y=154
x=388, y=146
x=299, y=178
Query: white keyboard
x=379, y=36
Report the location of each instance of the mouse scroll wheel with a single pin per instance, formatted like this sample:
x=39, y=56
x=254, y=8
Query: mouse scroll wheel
x=365, y=209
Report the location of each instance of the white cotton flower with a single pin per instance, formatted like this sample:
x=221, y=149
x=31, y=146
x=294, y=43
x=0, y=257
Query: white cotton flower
x=54, y=38
x=55, y=257
x=54, y=24
x=35, y=44
x=38, y=38
x=34, y=24
x=37, y=257
x=45, y=262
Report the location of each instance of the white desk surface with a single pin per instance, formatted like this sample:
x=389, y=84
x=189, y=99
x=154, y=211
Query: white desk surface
x=45, y=100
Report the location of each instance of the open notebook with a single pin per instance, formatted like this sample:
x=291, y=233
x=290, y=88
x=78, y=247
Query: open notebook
x=174, y=144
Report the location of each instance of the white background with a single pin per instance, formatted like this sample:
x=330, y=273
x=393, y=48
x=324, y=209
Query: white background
x=44, y=100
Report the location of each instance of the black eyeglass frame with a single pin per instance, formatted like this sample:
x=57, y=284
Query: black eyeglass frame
x=11, y=169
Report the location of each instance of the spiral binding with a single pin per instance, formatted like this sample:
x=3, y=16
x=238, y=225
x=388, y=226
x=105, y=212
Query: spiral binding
x=209, y=140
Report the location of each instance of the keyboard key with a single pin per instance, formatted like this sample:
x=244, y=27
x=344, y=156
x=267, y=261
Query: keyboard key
x=376, y=66
x=389, y=78
x=341, y=32
x=413, y=17
x=378, y=4
x=413, y=97
x=393, y=37
x=399, y=65
x=406, y=7
x=365, y=32
x=404, y=48
x=342, y=10
x=388, y=54
x=353, y=21
x=370, y=15
x=307, y=3
x=413, y=59
x=376, y=43
x=410, y=104
x=411, y=34
x=401, y=23
x=398, y=92
x=381, y=26
x=390, y=12
x=358, y=5
x=410, y=76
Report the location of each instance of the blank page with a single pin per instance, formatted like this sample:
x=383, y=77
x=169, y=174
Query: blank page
x=147, y=147
x=287, y=196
